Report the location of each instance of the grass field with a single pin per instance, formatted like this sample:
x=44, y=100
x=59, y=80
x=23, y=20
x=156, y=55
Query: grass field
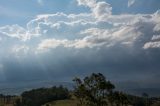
x=3, y=104
x=62, y=103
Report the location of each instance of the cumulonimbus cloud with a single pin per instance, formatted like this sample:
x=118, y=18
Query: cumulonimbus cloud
x=75, y=43
x=84, y=30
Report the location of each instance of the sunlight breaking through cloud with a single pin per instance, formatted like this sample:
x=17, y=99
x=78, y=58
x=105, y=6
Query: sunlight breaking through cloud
x=79, y=42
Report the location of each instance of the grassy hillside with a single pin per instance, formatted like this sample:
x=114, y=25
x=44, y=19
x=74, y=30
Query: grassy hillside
x=62, y=103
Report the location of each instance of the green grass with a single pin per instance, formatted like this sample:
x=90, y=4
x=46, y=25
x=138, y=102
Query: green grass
x=62, y=103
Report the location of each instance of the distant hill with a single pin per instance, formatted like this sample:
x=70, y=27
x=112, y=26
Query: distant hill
x=155, y=92
x=18, y=88
x=136, y=89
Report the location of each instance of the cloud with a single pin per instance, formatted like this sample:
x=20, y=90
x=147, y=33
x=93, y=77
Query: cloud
x=64, y=45
x=85, y=31
x=95, y=37
x=149, y=45
x=48, y=44
x=88, y=3
x=135, y=28
x=20, y=50
x=16, y=31
x=51, y=43
x=131, y=2
x=100, y=10
x=156, y=37
x=154, y=43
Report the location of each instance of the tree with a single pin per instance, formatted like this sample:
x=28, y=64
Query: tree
x=38, y=97
x=93, y=90
x=120, y=99
x=80, y=91
x=145, y=97
x=18, y=102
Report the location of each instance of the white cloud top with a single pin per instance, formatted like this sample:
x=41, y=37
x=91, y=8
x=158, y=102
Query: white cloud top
x=131, y=2
x=88, y=30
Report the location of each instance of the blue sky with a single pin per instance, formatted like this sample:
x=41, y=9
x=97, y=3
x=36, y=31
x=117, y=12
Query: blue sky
x=21, y=11
x=60, y=39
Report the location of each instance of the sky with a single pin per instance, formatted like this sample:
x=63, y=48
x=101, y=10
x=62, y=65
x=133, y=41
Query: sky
x=60, y=39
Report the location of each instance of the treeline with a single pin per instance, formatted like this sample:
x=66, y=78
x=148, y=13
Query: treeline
x=93, y=90
x=96, y=90
x=7, y=99
x=38, y=97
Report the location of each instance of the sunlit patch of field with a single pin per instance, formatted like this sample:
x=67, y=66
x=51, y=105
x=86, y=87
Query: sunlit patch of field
x=62, y=103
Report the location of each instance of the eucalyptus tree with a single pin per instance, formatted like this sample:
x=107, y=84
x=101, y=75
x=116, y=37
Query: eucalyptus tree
x=93, y=90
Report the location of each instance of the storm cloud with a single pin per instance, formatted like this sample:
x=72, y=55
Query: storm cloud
x=59, y=46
